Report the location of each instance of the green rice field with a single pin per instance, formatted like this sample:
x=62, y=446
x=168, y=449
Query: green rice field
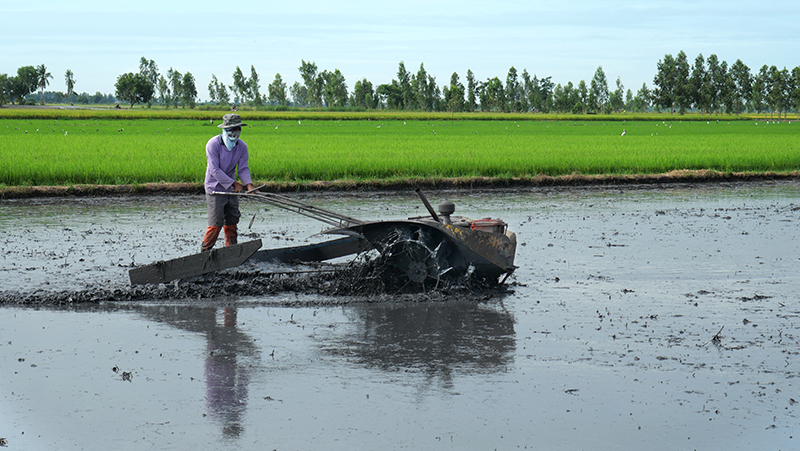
x=97, y=150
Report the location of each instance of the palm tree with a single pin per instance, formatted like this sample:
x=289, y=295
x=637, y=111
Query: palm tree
x=70, y=81
x=43, y=76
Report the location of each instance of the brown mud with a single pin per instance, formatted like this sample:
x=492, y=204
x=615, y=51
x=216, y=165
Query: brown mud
x=652, y=316
x=343, y=284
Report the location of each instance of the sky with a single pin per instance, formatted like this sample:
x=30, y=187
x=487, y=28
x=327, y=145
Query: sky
x=566, y=40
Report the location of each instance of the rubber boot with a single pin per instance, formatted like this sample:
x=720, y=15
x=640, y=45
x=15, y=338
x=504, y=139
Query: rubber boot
x=231, y=234
x=210, y=238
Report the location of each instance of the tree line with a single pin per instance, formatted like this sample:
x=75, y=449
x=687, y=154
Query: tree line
x=709, y=85
x=28, y=80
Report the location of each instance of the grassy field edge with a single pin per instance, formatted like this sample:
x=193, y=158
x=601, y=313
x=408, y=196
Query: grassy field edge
x=672, y=177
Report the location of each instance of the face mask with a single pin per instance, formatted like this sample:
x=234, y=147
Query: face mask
x=230, y=137
x=233, y=135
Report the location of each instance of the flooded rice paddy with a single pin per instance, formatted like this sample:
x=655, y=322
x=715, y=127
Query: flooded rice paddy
x=640, y=317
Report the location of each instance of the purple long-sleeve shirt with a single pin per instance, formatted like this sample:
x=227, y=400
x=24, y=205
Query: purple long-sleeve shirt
x=222, y=164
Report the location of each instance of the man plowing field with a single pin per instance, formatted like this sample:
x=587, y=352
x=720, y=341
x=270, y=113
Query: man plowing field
x=227, y=156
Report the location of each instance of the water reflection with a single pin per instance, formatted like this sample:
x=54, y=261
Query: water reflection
x=436, y=339
x=230, y=357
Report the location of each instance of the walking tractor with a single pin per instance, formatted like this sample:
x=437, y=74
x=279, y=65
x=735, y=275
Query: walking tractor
x=424, y=251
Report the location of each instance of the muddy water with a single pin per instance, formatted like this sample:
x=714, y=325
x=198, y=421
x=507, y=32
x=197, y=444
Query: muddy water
x=659, y=318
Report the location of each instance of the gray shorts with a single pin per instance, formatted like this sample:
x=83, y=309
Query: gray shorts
x=222, y=210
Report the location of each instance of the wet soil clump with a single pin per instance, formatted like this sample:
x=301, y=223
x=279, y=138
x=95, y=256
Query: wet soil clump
x=327, y=285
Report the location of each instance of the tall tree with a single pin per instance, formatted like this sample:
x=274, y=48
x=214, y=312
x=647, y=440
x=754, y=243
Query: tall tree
x=277, y=91
x=599, y=88
x=472, y=86
x=222, y=95
x=149, y=69
x=558, y=99
x=714, y=81
x=718, y=72
x=493, y=95
x=26, y=82
x=425, y=90
x=404, y=81
x=240, y=87
x=730, y=99
x=642, y=99
x=391, y=95
x=758, y=91
x=299, y=95
x=777, y=87
x=419, y=86
x=175, y=80
x=513, y=92
x=567, y=99
x=43, y=80
x=313, y=81
x=335, y=93
x=253, y=87
x=163, y=91
x=525, y=91
x=541, y=93
x=5, y=86
x=795, y=89
x=364, y=95
x=134, y=88
x=583, y=95
x=697, y=81
x=629, y=100
x=454, y=95
x=664, y=81
x=683, y=92
x=616, y=100
x=69, y=80
x=723, y=89
x=188, y=90
x=213, y=89
x=743, y=82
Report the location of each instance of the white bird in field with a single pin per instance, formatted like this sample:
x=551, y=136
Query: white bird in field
x=623, y=132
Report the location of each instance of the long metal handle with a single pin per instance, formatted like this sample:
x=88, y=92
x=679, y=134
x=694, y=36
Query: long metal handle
x=320, y=214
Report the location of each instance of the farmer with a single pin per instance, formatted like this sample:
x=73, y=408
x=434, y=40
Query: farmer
x=227, y=156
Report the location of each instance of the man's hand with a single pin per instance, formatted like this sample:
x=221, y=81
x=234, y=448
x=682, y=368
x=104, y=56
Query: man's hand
x=250, y=188
x=238, y=187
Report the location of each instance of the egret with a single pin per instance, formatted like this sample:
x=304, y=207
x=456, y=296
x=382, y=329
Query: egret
x=623, y=132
